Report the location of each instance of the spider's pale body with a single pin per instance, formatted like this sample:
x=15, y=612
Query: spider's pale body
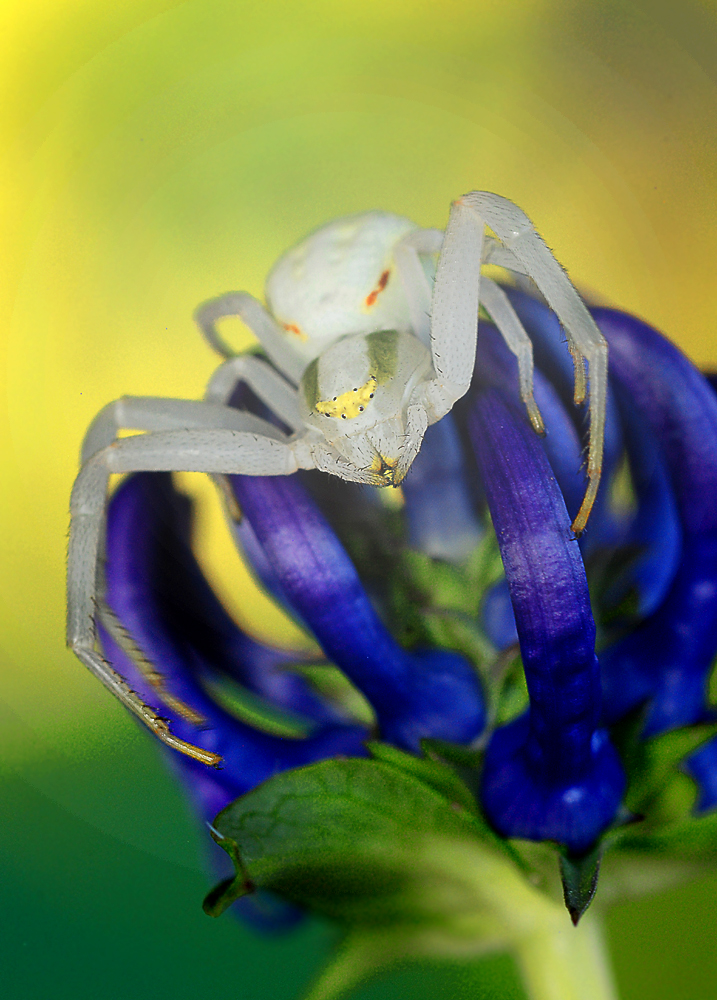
x=371, y=334
x=341, y=280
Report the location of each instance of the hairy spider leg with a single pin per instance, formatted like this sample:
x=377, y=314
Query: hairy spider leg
x=212, y=450
x=496, y=303
x=264, y=381
x=407, y=256
x=260, y=322
x=499, y=308
x=517, y=233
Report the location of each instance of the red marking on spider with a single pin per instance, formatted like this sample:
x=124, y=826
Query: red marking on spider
x=293, y=328
x=382, y=282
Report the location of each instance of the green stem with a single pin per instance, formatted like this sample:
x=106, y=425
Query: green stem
x=567, y=963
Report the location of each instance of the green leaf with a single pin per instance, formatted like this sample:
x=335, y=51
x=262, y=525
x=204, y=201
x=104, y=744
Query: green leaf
x=255, y=710
x=452, y=630
x=333, y=685
x=365, y=842
x=692, y=838
x=511, y=687
x=580, y=878
x=655, y=761
x=466, y=763
x=434, y=773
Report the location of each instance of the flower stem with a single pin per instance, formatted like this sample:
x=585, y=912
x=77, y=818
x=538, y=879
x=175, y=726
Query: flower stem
x=567, y=963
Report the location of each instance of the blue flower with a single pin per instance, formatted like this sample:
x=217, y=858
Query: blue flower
x=403, y=601
x=667, y=414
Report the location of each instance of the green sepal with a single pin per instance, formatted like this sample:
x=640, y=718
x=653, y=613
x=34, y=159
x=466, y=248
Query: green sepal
x=449, y=586
x=580, y=878
x=230, y=889
x=692, y=838
x=453, y=753
x=654, y=763
x=434, y=773
x=466, y=763
x=436, y=603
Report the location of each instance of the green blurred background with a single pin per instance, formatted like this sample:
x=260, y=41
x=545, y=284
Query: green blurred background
x=155, y=154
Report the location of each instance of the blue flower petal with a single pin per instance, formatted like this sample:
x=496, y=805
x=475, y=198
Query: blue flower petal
x=415, y=695
x=552, y=774
x=553, y=359
x=702, y=766
x=498, y=367
x=145, y=579
x=439, y=509
x=667, y=658
x=653, y=531
x=497, y=616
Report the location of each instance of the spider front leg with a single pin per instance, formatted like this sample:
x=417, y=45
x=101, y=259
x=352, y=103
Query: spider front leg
x=212, y=451
x=407, y=255
x=156, y=413
x=517, y=233
x=271, y=388
x=454, y=313
x=261, y=323
x=498, y=306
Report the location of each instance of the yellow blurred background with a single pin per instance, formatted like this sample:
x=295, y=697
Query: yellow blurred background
x=155, y=154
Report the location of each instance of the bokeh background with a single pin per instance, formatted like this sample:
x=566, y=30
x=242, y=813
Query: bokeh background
x=155, y=154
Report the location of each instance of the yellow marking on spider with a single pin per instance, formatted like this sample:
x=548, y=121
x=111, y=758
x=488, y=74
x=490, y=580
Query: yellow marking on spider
x=381, y=464
x=349, y=404
x=296, y=330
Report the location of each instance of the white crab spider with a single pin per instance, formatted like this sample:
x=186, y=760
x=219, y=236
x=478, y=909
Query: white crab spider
x=366, y=355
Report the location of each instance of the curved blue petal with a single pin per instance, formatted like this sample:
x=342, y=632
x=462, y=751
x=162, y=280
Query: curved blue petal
x=497, y=616
x=145, y=590
x=654, y=530
x=439, y=509
x=415, y=695
x=702, y=766
x=498, y=367
x=553, y=359
x=667, y=657
x=552, y=774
